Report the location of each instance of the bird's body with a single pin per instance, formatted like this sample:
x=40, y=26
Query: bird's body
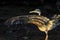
x=43, y=23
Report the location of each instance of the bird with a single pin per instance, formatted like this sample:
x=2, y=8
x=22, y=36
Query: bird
x=43, y=23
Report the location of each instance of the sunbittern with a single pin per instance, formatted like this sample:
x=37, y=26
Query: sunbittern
x=43, y=23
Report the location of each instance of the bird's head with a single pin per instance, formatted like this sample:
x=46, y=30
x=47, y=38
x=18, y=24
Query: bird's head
x=36, y=11
x=56, y=19
x=54, y=22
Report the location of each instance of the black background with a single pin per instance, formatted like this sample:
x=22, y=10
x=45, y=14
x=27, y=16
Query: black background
x=13, y=8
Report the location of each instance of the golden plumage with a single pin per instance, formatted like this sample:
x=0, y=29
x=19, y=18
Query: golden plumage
x=43, y=23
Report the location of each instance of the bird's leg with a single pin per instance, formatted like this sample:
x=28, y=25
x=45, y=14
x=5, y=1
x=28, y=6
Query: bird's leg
x=46, y=35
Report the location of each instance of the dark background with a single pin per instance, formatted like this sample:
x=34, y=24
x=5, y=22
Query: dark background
x=13, y=8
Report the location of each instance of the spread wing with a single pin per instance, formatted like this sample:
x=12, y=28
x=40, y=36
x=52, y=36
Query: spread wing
x=40, y=21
